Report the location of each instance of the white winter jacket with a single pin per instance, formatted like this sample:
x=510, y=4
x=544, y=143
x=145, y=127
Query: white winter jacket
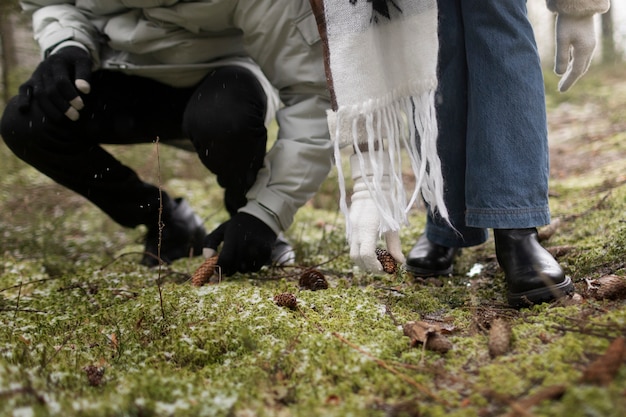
x=578, y=7
x=178, y=41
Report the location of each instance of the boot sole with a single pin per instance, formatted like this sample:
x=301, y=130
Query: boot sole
x=540, y=295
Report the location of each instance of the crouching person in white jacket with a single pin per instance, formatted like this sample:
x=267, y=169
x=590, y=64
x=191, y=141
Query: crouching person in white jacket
x=209, y=72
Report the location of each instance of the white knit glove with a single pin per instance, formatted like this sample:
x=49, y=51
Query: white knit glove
x=365, y=221
x=575, y=44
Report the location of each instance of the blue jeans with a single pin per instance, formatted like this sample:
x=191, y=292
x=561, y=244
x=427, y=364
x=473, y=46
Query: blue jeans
x=493, y=138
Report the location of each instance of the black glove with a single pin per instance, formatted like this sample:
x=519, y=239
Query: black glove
x=247, y=244
x=56, y=83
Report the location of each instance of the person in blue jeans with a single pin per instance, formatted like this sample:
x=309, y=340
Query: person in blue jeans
x=493, y=140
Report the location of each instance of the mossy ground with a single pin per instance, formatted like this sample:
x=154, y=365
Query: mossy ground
x=72, y=297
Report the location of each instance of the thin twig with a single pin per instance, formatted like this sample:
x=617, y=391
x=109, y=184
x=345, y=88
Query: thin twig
x=37, y=281
x=300, y=268
x=390, y=314
x=17, y=305
x=161, y=225
x=587, y=331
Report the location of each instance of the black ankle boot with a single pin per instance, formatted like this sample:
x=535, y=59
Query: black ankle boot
x=427, y=259
x=182, y=235
x=532, y=275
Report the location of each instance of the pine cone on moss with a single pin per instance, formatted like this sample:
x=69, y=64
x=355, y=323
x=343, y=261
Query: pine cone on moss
x=388, y=262
x=610, y=287
x=204, y=272
x=94, y=375
x=313, y=280
x=499, y=337
x=286, y=299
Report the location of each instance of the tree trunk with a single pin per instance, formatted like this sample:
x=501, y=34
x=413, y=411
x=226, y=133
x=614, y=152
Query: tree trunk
x=609, y=53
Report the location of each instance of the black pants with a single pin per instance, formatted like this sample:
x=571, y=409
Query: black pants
x=223, y=116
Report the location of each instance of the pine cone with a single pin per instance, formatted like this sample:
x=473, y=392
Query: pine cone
x=204, y=272
x=313, y=280
x=388, y=262
x=94, y=375
x=610, y=287
x=286, y=299
x=499, y=337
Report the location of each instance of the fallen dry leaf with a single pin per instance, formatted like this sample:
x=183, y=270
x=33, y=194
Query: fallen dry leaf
x=115, y=344
x=427, y=334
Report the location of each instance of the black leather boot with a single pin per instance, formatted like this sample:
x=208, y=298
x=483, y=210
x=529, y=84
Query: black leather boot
x=427, y=259
x=182, y=235
x=532, y=275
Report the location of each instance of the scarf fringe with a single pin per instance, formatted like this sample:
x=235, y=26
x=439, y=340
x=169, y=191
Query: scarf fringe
x=392, y=124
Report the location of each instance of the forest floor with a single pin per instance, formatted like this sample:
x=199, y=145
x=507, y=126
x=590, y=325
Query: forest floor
x=85, y=330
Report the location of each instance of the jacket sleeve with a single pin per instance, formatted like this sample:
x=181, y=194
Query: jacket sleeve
x=58, y=22
x=578, y=7
x=282, y=37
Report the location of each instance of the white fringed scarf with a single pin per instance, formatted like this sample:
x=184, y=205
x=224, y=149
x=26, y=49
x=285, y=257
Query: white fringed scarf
x=381, y=65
